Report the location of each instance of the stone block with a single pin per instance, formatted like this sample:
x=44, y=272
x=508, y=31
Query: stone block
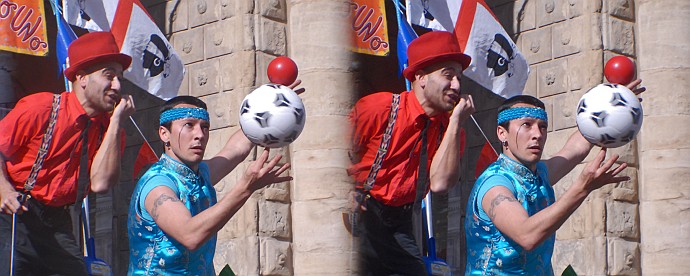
x=622, y=220
x=585, y=70
x=271, y=37
x=526, y=16
x=550, y=11
x=228, y=8
x=241, y=254
x=664, y=46
x=320, y=174
x=673, y=83
x=627, y=191
x=217, y=140
x=568, y=37
x=273, y=9
x=564, y=109
x=319, y=98
x=243, y=224
x=184, y=86
x=531, y=84
x=179, y=15
x=221, y=113
x=665, y=174
x=575, y=8
x=238, y=72
x=587, y=256
x=536, y=45
x=203, y=77
x=624, y=257
x=274, y=219
x=331, y=50
x=661, y=132
x=220, y=37
x=319, y=227
x=555, y=141
x=277, y=193
x=664, y=225
x=626, y=153
x=552, y=78
x=317, y=263
x=275, y=257
x=203, y=11
x=314, y=137
x=619, y=36
x=189, y=45
x=624, y=9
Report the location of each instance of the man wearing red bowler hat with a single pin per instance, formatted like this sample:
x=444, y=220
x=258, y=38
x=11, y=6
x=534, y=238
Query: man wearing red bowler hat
x=409, y=143
x=54, y=148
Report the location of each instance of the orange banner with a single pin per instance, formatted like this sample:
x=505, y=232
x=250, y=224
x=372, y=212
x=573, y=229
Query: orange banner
x=369, y=27
x=23, y=27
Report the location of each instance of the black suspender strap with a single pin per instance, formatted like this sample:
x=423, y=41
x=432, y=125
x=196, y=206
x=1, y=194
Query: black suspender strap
x=385, y=142
x=45, y=145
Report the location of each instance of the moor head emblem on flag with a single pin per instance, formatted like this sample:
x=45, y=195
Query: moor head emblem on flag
x=499, y=56
x=156, y=56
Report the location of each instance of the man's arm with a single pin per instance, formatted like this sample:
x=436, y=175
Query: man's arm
x=105, y=169
x=8, y=195
x=445, y=166
x=233, y=153
x=193, y=231
x=512, y=219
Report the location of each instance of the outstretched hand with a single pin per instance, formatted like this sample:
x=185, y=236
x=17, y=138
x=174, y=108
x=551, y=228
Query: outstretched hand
x=260, y=174
x=632, y=86
x=598, y=173
x=295, y=84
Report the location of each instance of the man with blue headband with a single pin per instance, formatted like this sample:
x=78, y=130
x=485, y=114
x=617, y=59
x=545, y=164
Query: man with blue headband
x=174, y=215
x=512, y=214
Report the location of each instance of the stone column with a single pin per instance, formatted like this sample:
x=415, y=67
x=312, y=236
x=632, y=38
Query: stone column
x=318, y=42
x=664, y=65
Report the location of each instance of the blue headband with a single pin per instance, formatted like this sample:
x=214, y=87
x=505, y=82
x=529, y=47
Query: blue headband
x=182, y=113
x=522, y=112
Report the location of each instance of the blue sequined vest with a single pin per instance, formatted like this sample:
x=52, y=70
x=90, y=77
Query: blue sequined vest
x=152, y=252
x=488, y=251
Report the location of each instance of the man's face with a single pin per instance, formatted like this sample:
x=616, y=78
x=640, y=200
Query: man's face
x=526, y=139
x=441, y=86
x=102, y=86
x=188, y=138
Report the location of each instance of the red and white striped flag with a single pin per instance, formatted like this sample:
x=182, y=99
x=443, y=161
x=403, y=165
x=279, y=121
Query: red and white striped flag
x=497, y=64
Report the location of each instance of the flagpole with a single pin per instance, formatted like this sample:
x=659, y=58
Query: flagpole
x=142, y=136
x=483, y=134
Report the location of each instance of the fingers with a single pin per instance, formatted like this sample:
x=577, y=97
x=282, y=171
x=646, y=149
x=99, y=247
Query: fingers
x=294, y=85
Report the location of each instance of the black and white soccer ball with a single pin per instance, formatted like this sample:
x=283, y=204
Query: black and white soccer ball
x=609, y=115
x=272, y=116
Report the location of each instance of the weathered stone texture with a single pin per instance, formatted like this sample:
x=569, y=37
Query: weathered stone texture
x=536, y=45
x=665, y=175
x=550, y=11
x=622, y=219
x=619, y=36
x=273, y=9
x=623, y=257
x=242, y=254
x=204, y=78
x=275, y=257
x=587, y=256
x=189, y=45
x=564, y=109
x=271, y=37
x=274, y=219
x=239, y=70
x=568, y=37
x=203, y=12
x=552, y=78
x=663, y=227
x=662, y=132
x=221, y=37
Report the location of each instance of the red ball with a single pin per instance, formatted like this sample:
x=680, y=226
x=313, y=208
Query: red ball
x=619, y=70
x=282, y=70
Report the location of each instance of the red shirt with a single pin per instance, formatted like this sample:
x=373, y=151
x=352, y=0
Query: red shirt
x=21, y=135
x=395, y=183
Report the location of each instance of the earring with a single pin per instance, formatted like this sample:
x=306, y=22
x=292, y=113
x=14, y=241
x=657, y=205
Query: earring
x=166, y=144
x=504, y=143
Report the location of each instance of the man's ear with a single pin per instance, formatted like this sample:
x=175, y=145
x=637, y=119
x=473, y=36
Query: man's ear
x=502, y=133
x=81, y=78
x=164, y=134
x=421, y=78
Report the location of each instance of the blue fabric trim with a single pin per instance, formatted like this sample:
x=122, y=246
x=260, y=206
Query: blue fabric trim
x=522, y=112
x=182, y=113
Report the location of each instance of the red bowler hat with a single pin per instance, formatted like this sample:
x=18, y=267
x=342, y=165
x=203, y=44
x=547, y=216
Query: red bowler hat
x=431, y=48
x=94, y=48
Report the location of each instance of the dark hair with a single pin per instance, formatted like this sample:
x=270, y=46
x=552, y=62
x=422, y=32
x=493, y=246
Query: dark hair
x=170, y=104
x=526, y=99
